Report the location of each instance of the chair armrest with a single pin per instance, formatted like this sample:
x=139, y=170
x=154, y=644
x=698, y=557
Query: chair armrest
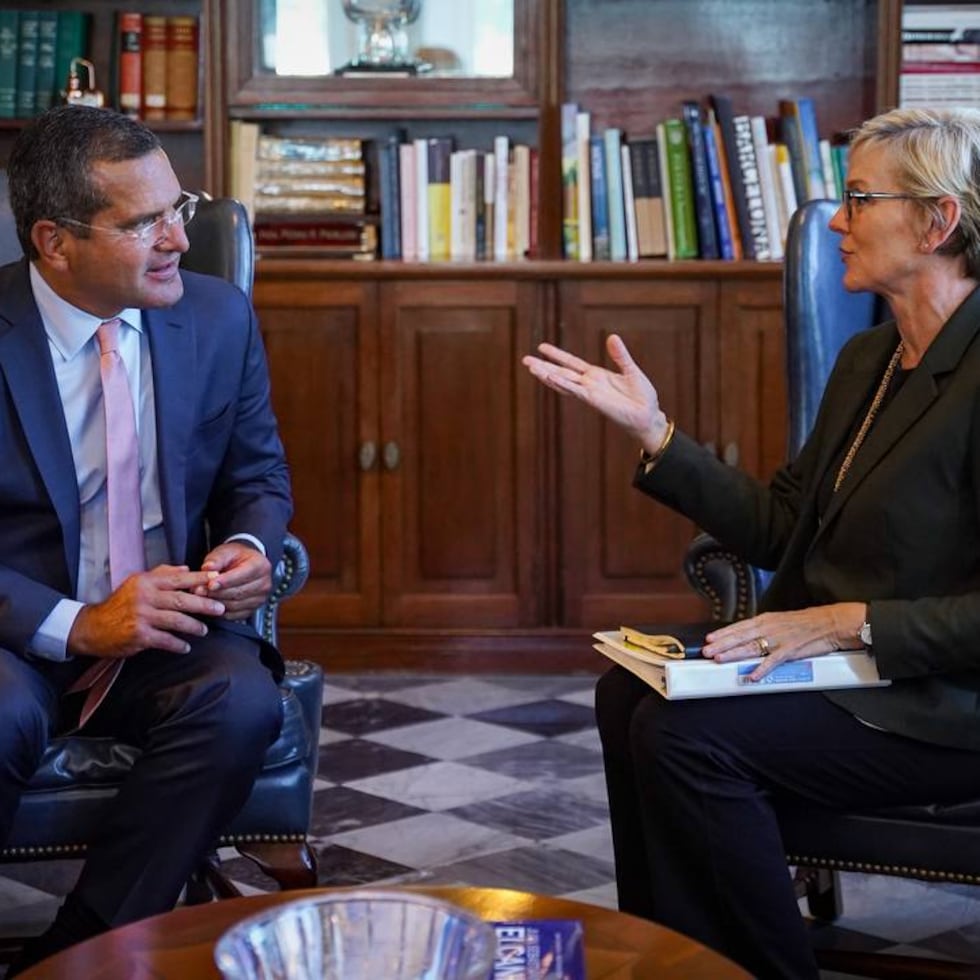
x=731, y=585
x=288, y=577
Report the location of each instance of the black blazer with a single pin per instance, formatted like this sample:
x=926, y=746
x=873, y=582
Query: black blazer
x=902, y=533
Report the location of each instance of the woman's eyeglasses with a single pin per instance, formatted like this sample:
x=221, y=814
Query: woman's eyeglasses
x=861, y=197
x=153, y=231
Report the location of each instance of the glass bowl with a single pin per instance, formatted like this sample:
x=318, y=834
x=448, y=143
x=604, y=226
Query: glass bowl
x=374, y=935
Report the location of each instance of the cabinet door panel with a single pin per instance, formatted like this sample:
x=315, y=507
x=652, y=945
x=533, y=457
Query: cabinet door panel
x=458, y=523
x=321, y=341
x=753, y=424
x=622, y=552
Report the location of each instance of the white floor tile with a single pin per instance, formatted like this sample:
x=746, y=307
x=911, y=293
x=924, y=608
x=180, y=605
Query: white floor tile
x=452, y=738
x=439, y=785
x=428, y=840
x=464, y=696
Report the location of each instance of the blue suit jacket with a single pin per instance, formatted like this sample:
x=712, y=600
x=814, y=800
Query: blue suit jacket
x=221, y=463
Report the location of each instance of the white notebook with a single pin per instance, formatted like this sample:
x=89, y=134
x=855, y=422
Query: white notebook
x=706, y=679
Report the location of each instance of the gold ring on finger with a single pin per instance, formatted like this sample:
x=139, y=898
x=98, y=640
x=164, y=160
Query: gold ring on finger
x=763, y=644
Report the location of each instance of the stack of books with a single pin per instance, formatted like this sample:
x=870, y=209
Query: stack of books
x=305, y=194
x=678, y=671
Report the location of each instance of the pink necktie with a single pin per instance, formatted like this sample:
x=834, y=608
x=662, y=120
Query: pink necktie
x=125, y=512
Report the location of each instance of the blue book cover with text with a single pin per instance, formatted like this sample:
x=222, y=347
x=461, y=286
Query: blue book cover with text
x=539, y=949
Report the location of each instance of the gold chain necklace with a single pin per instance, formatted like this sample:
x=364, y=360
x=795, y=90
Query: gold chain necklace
x=870, y=417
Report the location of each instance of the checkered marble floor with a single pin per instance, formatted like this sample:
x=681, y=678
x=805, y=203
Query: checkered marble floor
x=497, y=781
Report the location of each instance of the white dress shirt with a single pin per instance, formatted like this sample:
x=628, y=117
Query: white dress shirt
x=75, y=355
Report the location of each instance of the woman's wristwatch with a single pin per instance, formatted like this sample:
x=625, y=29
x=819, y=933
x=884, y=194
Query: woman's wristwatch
x=864, y=633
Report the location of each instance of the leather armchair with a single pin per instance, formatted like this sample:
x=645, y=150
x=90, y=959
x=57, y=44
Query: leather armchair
x=933, y=843
x=78, y=776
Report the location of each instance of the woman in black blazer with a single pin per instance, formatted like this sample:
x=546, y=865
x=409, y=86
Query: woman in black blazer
x=874, y=535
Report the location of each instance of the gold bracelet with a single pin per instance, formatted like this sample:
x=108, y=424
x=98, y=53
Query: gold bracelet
x=649, y=460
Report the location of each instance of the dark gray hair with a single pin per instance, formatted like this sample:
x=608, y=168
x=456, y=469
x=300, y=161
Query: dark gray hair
x=936, y=154
x=50, y=169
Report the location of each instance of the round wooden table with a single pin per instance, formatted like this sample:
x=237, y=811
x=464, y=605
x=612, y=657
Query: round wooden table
x=180, y=944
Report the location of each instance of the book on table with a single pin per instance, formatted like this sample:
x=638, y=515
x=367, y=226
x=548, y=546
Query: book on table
x=677, y=677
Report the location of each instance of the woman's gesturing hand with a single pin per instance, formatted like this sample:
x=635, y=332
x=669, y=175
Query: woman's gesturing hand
x=625, y=397
x=781, y=636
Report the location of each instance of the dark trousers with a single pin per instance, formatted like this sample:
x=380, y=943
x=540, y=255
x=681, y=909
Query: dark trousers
x=203, y=721
x=691, y=786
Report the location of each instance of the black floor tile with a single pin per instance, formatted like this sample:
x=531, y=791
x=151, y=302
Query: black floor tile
x=341, y=808
x=538, y=814
x=548, y=717
x=356, y=758
x=340, y=866
x=539, y=761
x=364, y=715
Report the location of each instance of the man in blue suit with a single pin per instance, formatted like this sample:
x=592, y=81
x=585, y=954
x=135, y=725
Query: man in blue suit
x=100, y=216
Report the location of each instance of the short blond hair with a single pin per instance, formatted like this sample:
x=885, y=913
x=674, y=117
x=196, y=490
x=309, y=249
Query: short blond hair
x=936, y=154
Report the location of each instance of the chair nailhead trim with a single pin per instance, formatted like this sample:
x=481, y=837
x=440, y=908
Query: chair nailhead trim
x=902, y=871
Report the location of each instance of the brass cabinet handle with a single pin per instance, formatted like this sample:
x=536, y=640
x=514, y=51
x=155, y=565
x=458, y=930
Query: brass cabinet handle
x=391, y=455
x=367, y=455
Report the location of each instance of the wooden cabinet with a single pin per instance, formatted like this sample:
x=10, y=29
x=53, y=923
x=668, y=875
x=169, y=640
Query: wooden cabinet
x=451, y=502
x=413, y=444
x=714, y=351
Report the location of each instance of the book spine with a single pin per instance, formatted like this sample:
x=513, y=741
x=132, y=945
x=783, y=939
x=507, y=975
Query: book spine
x=583, y=123
x=787, y=179
x=600, y=199
x=612, y=140
x=811, y=144
x=480, y=204
x=421, y=199
x=707, y=235
x=665, y=190
x=406, y=179
x=767, y=182
x=534, y=216
x=472, y=194
x=47, y=46
x=440, y=210
x=489, y=200
x=722, y=226
x=391, y=247
x=629, y=205
x=569, y=182
x=9, y=33
x=501, y=206
x=730, y=145
x=29, y=25
x=748, y=173
x=792, y=137
x=726, y=186
x=522, y=199
x=183, y=65
x=681, y=190
x=829, y=178
x=154, y=67
x=130, y=63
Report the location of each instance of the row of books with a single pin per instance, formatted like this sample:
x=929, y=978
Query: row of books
x=940, y=56
x=429, y=200
x=708, y=184
x=157, y=66
x=303, y=193
x=36, y=50
x=439, y=202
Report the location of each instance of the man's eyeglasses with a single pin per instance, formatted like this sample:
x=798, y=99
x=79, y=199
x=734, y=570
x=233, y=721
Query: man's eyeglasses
x=861, y=197
x=153, y=231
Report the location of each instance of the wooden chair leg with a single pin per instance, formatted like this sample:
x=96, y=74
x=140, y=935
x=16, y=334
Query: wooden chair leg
x=291, y=865
x=822, y=890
